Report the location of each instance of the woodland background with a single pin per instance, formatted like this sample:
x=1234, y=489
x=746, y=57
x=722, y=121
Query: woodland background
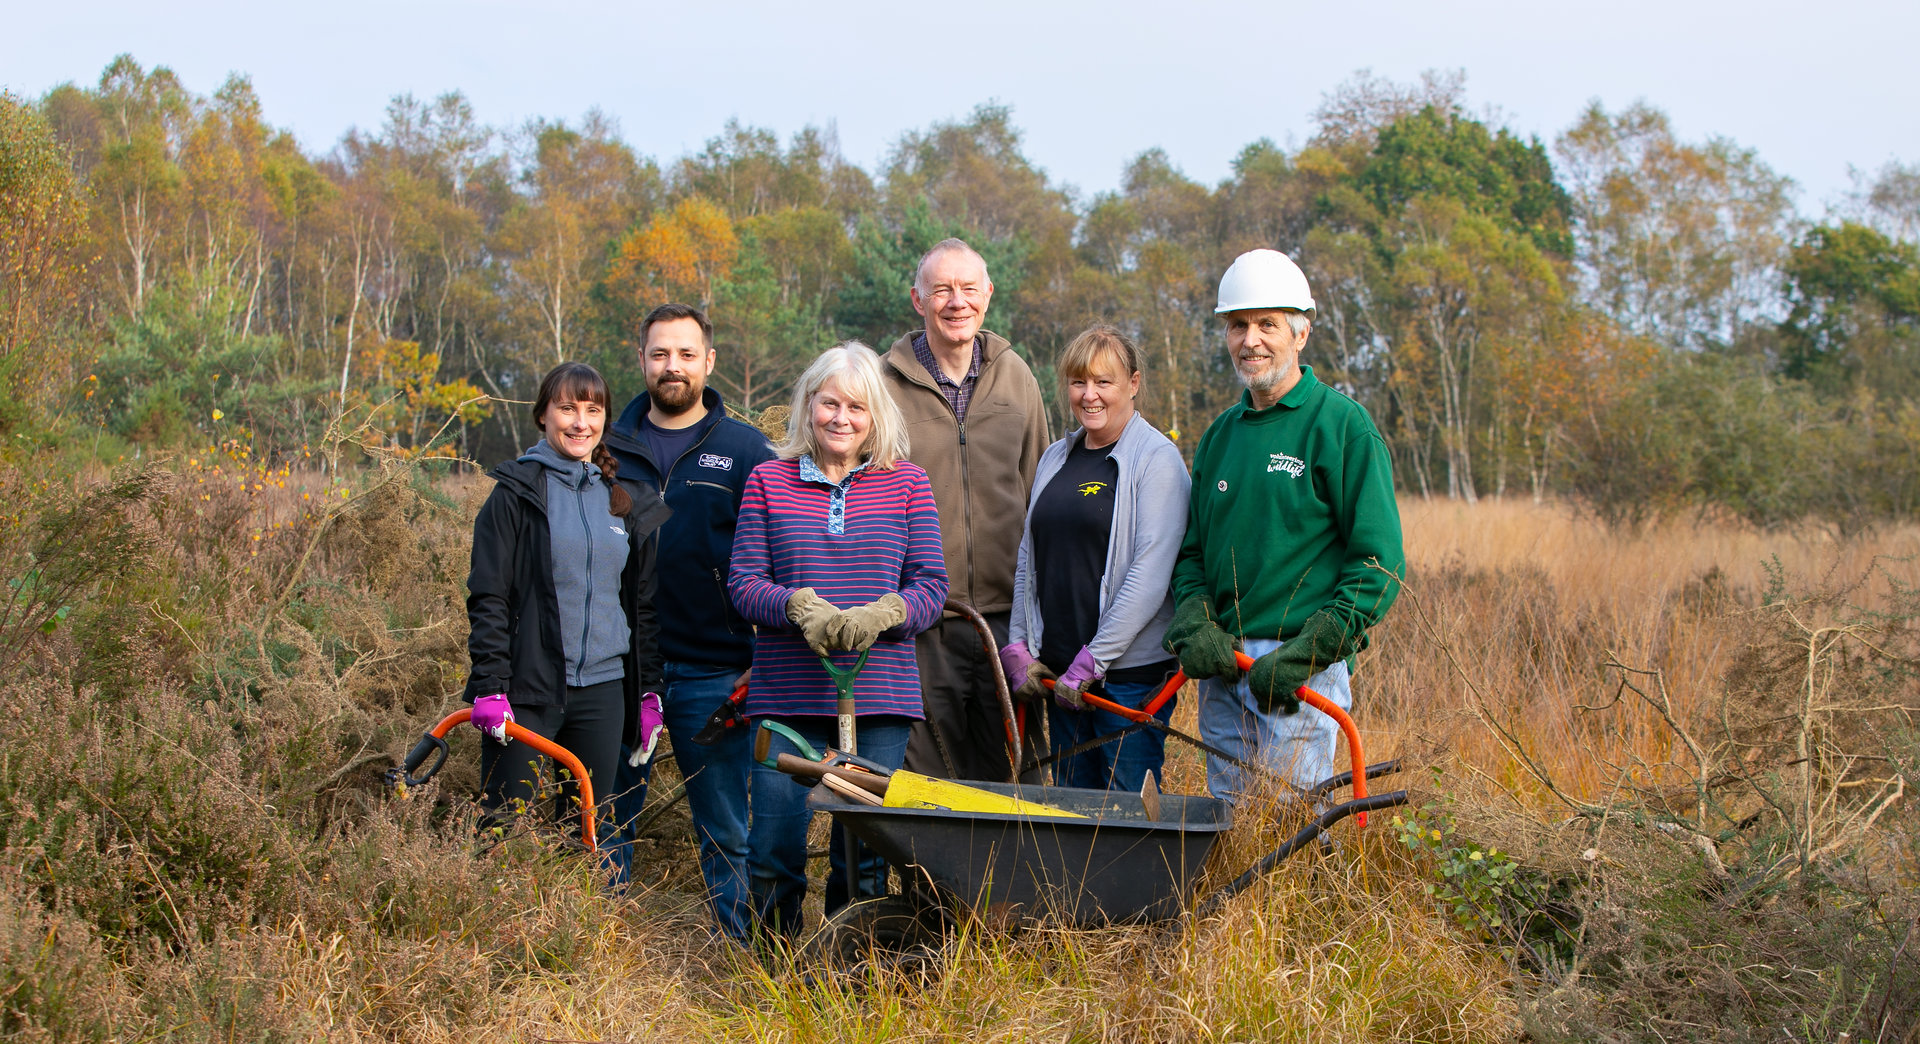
x=1634, y=322
x=1654, y=672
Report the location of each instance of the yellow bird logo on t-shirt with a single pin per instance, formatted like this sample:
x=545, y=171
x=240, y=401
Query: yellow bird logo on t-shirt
x=1088, y=489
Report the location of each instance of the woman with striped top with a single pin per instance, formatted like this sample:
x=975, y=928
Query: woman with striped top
x=837, y=551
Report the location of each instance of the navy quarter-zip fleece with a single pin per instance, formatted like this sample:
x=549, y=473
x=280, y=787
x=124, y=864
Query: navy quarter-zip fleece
x=703, y=488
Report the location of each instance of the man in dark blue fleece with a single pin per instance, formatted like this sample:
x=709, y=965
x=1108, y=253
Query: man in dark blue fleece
x=678, y=438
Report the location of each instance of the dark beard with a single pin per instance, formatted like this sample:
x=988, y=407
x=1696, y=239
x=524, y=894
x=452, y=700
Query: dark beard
x=673, y=398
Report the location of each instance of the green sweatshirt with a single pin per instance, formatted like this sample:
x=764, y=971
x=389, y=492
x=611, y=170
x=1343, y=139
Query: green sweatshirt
x=1291, y=507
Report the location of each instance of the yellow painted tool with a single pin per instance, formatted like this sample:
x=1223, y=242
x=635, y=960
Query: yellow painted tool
x=913, y=790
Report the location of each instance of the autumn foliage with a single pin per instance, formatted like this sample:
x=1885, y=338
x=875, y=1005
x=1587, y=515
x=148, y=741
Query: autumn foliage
x=1491, y=299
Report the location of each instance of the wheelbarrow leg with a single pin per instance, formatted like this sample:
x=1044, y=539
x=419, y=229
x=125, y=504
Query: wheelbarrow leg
x=895, y=931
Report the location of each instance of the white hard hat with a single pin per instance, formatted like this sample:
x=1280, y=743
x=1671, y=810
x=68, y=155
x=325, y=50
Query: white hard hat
x=1264, y=279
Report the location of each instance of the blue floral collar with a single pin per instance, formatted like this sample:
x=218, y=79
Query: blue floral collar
x=836, y=491
x=810, y=472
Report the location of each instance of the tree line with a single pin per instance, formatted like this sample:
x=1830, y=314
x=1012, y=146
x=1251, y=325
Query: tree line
x=1635, y=321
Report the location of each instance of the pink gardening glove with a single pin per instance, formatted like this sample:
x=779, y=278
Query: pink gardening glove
x=491, y=714
x=1024, y=673
x=653, y=721
x=1079, y=674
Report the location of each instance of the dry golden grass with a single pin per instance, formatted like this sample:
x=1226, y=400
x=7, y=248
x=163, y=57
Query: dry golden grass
x=1529, y=603
x=1347, y=948
x=1493, y=669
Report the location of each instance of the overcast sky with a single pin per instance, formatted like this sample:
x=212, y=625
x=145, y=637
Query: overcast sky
x=1814, y=88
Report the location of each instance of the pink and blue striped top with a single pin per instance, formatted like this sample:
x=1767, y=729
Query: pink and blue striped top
x=889, y=540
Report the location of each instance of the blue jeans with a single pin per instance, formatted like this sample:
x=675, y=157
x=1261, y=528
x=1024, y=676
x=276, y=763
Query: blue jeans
x=780, y=821
x=1122, y=764
x=716, y=790
x=1297, y=747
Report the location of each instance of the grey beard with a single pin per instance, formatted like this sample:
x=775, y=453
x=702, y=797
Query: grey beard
x=1265, y=383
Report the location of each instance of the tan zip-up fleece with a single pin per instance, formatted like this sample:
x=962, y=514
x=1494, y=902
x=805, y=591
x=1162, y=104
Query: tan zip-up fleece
x=981, y=476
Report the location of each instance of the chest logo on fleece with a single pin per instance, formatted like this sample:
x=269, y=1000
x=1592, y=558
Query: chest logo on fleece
x=1282, y=462
x=1088, y=489
x=715, y=460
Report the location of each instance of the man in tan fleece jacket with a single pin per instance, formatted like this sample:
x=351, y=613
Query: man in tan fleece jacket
x=976, y=423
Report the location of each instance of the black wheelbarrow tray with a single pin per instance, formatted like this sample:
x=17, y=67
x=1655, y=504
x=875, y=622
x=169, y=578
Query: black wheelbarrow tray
x=1119, y=865
x=1116, y=865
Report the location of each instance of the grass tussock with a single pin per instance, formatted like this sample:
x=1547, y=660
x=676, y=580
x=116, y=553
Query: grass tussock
x=1663, y=791
x=1345, y=948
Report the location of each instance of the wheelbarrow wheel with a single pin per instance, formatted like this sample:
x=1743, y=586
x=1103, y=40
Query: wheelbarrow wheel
x=892, y=931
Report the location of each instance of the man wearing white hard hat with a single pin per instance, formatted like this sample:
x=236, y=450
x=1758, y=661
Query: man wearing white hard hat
x=1293, y=544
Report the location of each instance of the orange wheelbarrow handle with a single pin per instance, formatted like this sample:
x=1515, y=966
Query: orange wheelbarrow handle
x=1306, y=696
x=435, y=741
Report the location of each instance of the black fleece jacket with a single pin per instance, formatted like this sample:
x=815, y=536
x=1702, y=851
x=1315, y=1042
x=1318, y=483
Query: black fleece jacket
x=515, y=641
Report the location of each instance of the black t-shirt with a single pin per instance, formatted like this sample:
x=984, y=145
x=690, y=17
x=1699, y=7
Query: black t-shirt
x=1072, y=521
x=1072, y=526
x=666, y=444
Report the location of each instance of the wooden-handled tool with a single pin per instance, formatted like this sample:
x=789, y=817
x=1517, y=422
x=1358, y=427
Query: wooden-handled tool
x=840, y=786
x=794, y=765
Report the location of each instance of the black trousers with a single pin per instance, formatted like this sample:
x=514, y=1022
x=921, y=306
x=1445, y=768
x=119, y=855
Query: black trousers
x=957, y=696
x=588, y=726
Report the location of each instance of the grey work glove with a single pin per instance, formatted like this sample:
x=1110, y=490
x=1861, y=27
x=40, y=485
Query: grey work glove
x=1323, y=640
x=858, y=628
x=813, y=615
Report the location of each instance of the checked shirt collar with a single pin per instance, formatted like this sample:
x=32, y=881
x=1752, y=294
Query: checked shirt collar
x=959, y=396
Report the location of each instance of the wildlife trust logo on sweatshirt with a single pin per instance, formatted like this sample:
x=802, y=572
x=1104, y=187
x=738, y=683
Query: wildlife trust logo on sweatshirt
x=1282, y=462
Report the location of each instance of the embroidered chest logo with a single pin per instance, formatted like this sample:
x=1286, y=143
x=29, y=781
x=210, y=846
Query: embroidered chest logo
x=1281, y=462
x=618, y=530
x=715, y=460
x=1088, y=489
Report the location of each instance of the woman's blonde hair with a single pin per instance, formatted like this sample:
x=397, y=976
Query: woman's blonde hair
x=1083, y=353
x=859, y=371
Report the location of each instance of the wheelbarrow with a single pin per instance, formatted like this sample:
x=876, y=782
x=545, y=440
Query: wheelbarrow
x=1131, y=859
x=434, y=744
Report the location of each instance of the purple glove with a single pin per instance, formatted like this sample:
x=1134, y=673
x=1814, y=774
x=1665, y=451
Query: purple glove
x=1080, y=674
x=1024, y=673
x=491, y=714
x=653, y=721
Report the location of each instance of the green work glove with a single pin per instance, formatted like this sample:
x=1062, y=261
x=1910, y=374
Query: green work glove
x=856, y=629
x=1322, y=641
x=1205, y=651
x=813, y=615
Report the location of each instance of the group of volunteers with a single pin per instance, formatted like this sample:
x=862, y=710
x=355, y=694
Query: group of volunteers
x=910, y=486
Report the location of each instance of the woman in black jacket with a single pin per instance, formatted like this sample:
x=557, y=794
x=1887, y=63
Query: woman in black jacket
x=560, y=541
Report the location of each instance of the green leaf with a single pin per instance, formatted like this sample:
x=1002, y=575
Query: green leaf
x=52, y=623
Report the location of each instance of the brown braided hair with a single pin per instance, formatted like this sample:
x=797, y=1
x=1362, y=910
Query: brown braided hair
x=572, y=382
